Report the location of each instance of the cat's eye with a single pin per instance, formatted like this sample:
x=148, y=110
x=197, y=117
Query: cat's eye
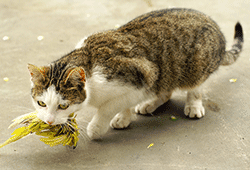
x=63, y=106
x=41, y=103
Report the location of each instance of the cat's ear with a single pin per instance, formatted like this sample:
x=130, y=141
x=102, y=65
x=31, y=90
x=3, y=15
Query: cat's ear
x=76, y=73
x=37, y=73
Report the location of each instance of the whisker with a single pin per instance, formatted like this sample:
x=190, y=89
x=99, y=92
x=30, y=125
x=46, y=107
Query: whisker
x=84, y=137
x=23, y=108
x=81, y=121
x=73, y=125
x=65, y=126
x=83, y=132
x=82, y=128
x=72, y=128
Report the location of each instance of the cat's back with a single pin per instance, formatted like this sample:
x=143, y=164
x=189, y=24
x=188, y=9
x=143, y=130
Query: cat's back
x=173, y=17
x=184, y=45
x=176, y=24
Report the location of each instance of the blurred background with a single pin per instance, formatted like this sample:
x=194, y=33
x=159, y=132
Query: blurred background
x=39, y=32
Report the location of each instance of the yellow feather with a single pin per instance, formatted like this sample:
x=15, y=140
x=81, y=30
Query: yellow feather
x=52, y=134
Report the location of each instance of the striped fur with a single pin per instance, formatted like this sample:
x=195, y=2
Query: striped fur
x=145, y=59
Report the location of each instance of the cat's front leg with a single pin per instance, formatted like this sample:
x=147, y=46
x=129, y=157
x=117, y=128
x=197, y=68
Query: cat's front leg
x=123, y=119
x=98, y=126
x=151, y=105
x=193, y=106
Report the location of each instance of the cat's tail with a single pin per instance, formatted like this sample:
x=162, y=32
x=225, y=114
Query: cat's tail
x=232, y=54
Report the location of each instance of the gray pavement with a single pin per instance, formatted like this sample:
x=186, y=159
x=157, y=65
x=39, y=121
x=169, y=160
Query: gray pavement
x=220, y=140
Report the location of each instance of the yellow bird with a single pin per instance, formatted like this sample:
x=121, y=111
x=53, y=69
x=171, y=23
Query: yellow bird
x=65, y=134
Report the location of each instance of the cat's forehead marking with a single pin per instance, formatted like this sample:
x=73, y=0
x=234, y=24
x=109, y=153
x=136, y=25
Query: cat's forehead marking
x=51, y=96
x=57, y=71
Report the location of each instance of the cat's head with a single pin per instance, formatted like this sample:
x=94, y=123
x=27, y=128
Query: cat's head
x=57, y=91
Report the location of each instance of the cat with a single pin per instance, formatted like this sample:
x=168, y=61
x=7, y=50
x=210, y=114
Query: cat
x=134, y=69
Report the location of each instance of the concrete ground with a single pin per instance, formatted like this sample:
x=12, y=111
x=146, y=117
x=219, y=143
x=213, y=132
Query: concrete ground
x=220, y=140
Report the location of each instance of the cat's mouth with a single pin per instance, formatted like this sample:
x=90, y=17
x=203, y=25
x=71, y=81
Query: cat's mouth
x=63, y=128
x=60, y=121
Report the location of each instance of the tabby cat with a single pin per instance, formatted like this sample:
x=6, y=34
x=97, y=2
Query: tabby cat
x=134, y=69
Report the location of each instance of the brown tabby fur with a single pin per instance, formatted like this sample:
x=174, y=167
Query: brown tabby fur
x=161, y=50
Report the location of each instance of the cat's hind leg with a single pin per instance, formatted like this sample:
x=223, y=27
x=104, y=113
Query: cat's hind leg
x=151, y=105
x=123, y=119
x=193, y=106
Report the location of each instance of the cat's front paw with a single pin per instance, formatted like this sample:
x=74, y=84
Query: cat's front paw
x=194, y=111
x=95, y=132
x=121, y=121
x=146, y=108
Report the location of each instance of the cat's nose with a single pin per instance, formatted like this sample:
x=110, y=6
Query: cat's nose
x=50, y=123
